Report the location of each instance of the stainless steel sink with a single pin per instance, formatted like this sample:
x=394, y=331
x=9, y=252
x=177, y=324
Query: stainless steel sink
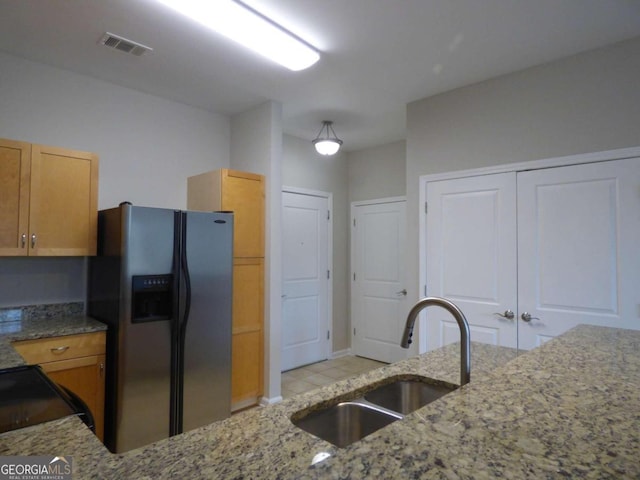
x=346, y=422
x=405, y=396
x=349, y=421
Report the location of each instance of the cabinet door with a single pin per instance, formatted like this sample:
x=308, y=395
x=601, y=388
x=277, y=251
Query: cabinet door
x=578, y=238
x=243, y=193
x=247, y=348
x=85, y=377
x=64, y=196
x=14, y=196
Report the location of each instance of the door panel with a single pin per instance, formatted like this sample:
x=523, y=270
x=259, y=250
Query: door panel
x=144, y=369
x=248, y=336
x=578, y=234
x=379, y=305
x=305, y=283
x=15, y=171
x=63, y=219
x=207, y=349
x=471, y=258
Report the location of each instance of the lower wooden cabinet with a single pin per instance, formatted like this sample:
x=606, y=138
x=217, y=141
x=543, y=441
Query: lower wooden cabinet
x=247, y=364
x=76, y=362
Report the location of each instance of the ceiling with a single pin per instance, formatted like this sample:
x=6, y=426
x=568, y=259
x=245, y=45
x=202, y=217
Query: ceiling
x=376, y=55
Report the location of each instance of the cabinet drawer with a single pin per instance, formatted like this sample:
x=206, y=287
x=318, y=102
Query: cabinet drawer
x=54, y=349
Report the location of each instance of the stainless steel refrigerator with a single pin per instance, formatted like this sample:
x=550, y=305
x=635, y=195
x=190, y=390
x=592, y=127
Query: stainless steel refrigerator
x=162, y=282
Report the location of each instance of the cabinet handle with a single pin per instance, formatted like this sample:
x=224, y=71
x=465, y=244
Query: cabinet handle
x=102, y=369
x=59, y=350
x=33, y=240
x=23, y=240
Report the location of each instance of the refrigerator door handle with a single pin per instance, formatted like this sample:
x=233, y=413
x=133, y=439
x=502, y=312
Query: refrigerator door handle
x=187, y=279
x=176, y=351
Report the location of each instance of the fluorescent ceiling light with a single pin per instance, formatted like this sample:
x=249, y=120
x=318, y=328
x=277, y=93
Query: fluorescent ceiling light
x=244, y=25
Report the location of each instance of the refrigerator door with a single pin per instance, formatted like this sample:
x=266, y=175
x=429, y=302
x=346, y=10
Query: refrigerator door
x=207, y=333
x=144, y=347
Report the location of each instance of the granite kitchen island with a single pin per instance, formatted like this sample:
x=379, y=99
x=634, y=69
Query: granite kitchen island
x=568, y=409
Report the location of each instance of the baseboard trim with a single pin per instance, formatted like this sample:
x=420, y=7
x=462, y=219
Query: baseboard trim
x=341, y=353
x=264, y=401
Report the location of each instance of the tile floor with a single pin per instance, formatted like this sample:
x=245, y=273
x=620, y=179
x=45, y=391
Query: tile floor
x=323, y=373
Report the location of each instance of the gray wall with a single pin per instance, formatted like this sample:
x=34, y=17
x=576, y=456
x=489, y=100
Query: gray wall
x=147, y=146
x=584, y=103
x=377, y=172
x=302, y=167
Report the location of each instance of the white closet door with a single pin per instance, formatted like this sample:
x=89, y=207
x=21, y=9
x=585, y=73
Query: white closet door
x=471, y=258
x=578, y=248
x=305, y=286
x=379, y=302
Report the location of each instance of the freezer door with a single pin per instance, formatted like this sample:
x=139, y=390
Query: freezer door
x=144, y=360
x=207, y=348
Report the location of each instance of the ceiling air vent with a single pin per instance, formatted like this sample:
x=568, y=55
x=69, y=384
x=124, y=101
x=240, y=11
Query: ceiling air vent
x=124, y=45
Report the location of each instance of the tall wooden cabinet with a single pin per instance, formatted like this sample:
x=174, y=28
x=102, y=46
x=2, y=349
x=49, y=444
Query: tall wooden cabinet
x=242, y=193
x=48, y=200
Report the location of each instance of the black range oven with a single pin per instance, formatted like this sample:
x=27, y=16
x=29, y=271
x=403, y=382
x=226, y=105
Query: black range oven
x=28, y=397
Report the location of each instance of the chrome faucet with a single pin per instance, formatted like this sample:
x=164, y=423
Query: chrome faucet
x=465, y=342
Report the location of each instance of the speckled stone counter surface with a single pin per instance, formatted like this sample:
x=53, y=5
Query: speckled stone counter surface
x=42, y=321
x=569, y=409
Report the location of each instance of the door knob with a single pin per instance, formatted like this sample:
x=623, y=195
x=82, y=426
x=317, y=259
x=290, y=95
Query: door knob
x=402, y=293
x=508, y=314
x=526, y=316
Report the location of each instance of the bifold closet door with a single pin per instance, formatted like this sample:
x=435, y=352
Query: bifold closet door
x=471, y=258
x=578, y=248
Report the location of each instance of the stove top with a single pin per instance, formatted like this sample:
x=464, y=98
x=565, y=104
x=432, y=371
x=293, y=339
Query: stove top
x=28, y=397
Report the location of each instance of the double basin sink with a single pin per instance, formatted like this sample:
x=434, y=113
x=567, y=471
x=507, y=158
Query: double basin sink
x=348, y=421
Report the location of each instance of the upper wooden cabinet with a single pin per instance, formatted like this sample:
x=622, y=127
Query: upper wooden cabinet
x=239, y=192
x=48, y=200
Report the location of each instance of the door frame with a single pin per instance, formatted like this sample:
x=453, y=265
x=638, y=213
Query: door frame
x=362, y=203
x=329, y=197
x=582, y=158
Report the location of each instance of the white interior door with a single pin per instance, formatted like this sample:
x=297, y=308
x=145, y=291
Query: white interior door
x=471, y=258
x=305, y=304
x=578, y=250
x=378, y=295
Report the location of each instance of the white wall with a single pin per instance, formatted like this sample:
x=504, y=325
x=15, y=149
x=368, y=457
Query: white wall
x=302, y=167
x=584, y=103
x=377, y=172
x=38, y=281
x=147, y=145
x=256, y=146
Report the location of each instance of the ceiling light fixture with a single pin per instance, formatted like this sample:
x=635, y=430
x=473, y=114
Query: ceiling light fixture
x=244, y=25
x=329, y=144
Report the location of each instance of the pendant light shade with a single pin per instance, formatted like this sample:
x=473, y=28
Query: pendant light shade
x=327, y=142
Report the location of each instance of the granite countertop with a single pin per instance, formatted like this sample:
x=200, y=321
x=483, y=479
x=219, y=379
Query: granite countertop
x=22, y=327
x=568, y=409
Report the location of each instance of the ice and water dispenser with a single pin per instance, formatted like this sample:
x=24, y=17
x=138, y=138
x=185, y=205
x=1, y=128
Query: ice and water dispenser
x=152, y=298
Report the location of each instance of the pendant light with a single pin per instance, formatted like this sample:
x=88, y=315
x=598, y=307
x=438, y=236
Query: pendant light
x=327, y=142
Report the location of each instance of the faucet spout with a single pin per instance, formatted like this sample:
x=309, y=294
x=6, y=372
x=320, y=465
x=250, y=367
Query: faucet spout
x=465, y=342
